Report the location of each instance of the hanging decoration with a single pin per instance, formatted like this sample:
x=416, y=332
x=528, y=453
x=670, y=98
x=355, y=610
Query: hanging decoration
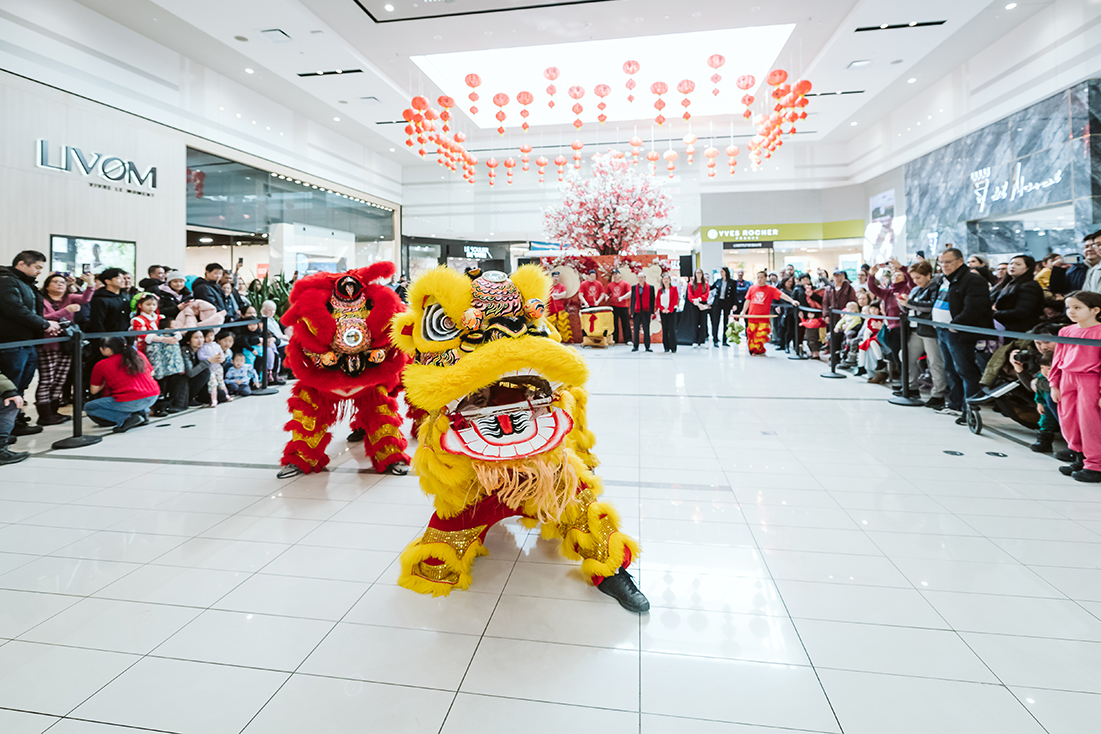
x=745, y=83
x=525, y=149
x=686, y=87
x=491, y=164
x=577, y=145
x=602, y=91
x=500, y=99
x=732, y=154
x=525, y=98
x=446, y=103
x=711, y=153
x=653, y=156
x=551, y=73
x=471, y=166
x=510, y=163
x=659, y=88
x=420, y=104
x=715, y=61
x=776, y=77
x=560, y=161
x=616, y=211
x=630, y=68
x=636, y=148
x=473, y=81
x=577, y=93
x=541, y=162
x=690, y=146
x=670, y=161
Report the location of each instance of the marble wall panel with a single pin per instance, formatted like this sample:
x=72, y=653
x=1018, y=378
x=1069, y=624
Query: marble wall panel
x=1041, y=126
x=1085, y=109
x=987, y=147
x=1087, y=216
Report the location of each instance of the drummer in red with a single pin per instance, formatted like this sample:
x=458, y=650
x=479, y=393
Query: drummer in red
x=620, y=293
x=592, y=292
x=758, y=303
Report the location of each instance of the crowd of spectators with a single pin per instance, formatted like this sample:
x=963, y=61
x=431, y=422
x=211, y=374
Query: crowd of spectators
x=130, y=377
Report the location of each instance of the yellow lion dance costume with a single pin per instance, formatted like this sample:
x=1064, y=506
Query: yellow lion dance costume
x=505, y=433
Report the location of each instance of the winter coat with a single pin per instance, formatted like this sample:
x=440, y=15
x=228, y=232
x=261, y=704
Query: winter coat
x=110, y=312
x=170, y=302
x=20, y=307
x=1019, y=304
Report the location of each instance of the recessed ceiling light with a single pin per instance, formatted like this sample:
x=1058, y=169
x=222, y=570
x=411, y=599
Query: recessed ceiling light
x=883, y=27
x=223, y=109
x=238, y=115
x=853, y=123
x=913, y=23
x=388, y=8
x=930, y=117
x=1011, y=6
x=206, y=239
x=249, y=71
x=392, y=150
x=336, y=119
x=339, y=71
x=911, y=80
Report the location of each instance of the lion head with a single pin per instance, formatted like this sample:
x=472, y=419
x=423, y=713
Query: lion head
x=505, y=400
x=340, y=341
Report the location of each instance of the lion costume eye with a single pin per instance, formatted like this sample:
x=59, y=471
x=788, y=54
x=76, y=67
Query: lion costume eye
x=438, y=326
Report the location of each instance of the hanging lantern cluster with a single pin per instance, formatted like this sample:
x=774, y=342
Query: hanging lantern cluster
x=577, y=93
x=670, y=161
x=690, y=146
x=602, y=91
x=630, y=68
x=525, y=98
x=715, y=61
x=790, y=105
x=659, y=88
x=577, y=145
x=500, y=99
x=551, y=73
x=686, y=87
x=636, y=147
x=473, y=81
x=711, y=153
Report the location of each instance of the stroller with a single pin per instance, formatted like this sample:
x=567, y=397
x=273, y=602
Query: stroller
x=1006, y=395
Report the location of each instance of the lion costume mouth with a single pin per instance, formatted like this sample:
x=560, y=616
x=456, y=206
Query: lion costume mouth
x=512, y=418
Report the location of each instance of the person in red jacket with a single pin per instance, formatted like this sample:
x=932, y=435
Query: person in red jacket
x=620, y=294
x=643, y=311
x=697, y=307
x=592, y=291
x=758, y=303
x=668, y=298
x=127, y=376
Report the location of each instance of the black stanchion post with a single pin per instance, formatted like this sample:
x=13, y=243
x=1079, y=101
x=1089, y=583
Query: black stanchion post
x=264, y=389
x=78, y=438
x=904, y=361
x=835, y=348
x=795, y=335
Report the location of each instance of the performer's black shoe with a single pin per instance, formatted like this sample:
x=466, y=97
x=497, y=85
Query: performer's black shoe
x=357, y=435
x=290, y=470
x=398, y=469
x=621, y=587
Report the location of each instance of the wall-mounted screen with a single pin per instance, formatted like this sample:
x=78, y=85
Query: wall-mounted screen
x=77, y=254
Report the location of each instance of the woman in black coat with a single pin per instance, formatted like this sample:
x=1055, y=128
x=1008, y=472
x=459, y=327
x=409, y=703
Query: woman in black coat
x=1018, y=299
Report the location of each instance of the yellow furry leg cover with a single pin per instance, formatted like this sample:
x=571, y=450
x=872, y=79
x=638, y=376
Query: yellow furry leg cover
x=454, y=553
x=589, y=531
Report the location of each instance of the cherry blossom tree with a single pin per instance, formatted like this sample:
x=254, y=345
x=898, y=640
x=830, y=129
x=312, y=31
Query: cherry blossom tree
x=618, y=210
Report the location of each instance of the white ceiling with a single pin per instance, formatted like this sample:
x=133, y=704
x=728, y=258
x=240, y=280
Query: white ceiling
x=330, y=35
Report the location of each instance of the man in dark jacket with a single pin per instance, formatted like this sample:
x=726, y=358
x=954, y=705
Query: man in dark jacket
x=21, y=320
x=741, y=288
x=643, y=311
x=155, y=279
x=1067, y=278
x=110, y=305
x=209, y=289
x=963, y=299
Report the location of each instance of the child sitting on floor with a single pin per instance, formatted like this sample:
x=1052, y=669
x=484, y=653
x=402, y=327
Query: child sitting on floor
x=241, y=378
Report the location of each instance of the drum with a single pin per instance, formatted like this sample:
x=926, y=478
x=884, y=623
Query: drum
x=597, y=326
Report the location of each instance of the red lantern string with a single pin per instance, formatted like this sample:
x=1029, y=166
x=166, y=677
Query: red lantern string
x=577, y=145
x=670, y=161
x=653, y=157
x=732, y=153
x=659, y=88
x=686, y=87
x=690, y=149
x=630, y=68
x=711, y=153
x=715, y=61
x=636, y=147
x=472, y=166
x=524, y=150
x=525, y=98
x=541, y=162
x=577, y=93
x=551, y=73
x=500, y=99
x=447, y=103
x=602, y=91
x=745, y=83
x=491, y=164
x=407, y=115
x=510, y=163
x=473, y=81
x=560, y=161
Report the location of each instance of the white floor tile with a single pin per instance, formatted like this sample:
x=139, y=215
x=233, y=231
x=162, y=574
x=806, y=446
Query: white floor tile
x=21, y=722
x=598, y=623
x=341, y=564
x=754, y=637
x=311, y=704
x=51, y=679
x=868, y=702
x=851, y=603
x=109, y=545
x=394, y=606
x=986, y=578
x=193, y=587
x=1015, y=615
x=177, y=695
x=22, y=610
x=473, y=714
x=106, y=624
x=1062, y=712
x=1040, y=663
x=222, y=555
x=65, y=575
x=294, y=597
x=834, y=568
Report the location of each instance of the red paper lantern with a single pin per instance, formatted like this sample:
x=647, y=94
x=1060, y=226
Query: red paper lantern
x=659, y=88
x=525, y=98
x=776, y=77
x=636, y=145
x=541, y=162
x=560, y=161
x=801, y=87
x=715, y=61
x=551, y=73
x=746, y=82
x=630, y=68
x=686, y=87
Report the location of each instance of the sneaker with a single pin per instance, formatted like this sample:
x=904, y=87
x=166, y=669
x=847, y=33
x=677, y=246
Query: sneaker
x=1066, y=455
x=1068, y=470
x=132, y=421
x=1087, y=475
x=25, y=429
x=621, y=587
x=357, y=435
x=1043, y=443
x=101, y=422
x=949, y=411
x=7, y=456
x=634, y=349
x=962, y=420
x=935, y=403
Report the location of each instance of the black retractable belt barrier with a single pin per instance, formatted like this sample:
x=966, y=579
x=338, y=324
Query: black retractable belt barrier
x=78, y=439
x=835, y=349
x=905, y=399
x=795, y=334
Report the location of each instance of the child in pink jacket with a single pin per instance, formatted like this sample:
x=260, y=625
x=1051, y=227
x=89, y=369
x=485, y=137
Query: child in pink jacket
x=1075, y=379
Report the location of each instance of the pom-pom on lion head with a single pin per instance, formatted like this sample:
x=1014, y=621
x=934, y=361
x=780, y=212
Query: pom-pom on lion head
x=504, y=398
x=340, y=340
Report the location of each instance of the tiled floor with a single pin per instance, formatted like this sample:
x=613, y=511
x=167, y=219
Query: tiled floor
x=814, y=558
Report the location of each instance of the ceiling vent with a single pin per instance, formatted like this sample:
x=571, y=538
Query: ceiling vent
x=369, y=100
x=860, y=63
x=331, y=72
x=833, y=94
x=896, y=26
x=275, y=35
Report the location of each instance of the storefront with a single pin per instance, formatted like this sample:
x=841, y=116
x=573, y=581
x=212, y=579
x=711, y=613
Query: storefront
x=1029, y=183
x=422, y=253
x=805, y=246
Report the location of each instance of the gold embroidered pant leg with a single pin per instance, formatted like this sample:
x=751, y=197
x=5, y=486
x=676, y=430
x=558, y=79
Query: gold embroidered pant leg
x=377, y=415
x=312, y=412
x=589, y=532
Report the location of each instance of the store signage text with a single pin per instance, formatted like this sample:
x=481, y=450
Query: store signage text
x=475, y=252
x=736, y=235
x=109, y=168
x=1013, y=189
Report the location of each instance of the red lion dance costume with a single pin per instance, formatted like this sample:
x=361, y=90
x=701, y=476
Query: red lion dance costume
x=340, y=352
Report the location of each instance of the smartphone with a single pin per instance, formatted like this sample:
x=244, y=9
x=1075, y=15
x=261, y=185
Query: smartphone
x=1073, y=258
x=66, y=274
x=921, y=254
x=86, y=268
x=240, y=261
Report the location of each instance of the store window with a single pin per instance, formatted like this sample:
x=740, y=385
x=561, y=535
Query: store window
x=1036, y=233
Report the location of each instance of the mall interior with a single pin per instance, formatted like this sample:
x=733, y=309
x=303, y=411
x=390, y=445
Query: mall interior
x=613, y=365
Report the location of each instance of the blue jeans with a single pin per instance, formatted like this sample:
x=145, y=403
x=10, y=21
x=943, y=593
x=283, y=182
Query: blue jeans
x=109, y=409
x=243, y=389
x=18, y=365
x=8, y=414
x=961, y=348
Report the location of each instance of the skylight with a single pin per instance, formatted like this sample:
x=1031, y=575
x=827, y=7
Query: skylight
x=668, y=58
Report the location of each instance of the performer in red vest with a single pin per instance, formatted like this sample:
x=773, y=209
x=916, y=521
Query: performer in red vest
x=643, y=311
